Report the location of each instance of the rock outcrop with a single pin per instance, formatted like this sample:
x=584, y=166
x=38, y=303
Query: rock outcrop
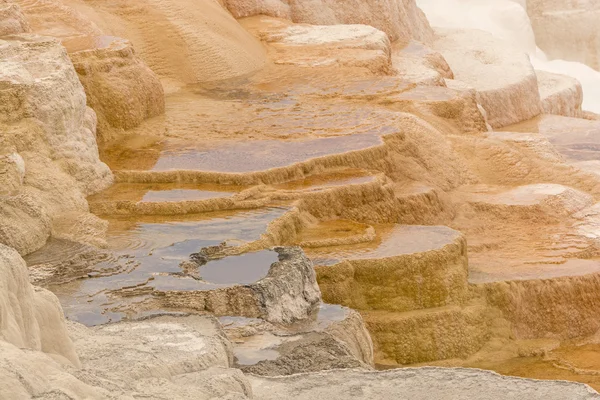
x=560, y=95
x=416, y=384
x=400, y=19
x=12, y=20
x=47, y=139
x=120, y=88
x=30, y=317
x=504, y=79
x=287, y=293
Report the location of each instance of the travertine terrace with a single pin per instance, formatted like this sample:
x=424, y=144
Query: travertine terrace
x=256, y=199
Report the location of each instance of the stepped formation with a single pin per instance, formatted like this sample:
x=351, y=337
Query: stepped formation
x=272, y=198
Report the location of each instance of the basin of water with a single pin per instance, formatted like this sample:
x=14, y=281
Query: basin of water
x=391, y=241
x=147, y=253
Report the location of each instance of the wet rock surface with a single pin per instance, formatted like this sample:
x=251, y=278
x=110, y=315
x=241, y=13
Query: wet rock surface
x=331, y=337
x=342, y=134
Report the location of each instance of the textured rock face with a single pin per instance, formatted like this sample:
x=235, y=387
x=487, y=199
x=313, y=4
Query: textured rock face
x=30, y=317
x=504, y=79
x=415, y=384
x=560, y=95
x=428, y=335
x=333, y=337
x=403, y=279
x=314, y=46
x=249, y=8
x=287, y=294
x=12, y=20
x=120, y=88
x=47, y=137
x=551, y=20
x=400, y=19
x=166, y=357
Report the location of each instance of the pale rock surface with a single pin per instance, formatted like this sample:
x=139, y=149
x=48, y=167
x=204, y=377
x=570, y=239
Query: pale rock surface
x=560, y=94
x=415, y=384
x=420, y=64
x=162, y=357
x=48, y=134
x=323, y=46
x=333, y=337
x=30, y=317
x=399, y=19
x=503, y=78
x=567, y=29
x=169, y=356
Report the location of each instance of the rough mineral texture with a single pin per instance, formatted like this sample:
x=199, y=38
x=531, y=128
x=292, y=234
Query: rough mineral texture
x=47, y=137
x=504, y=79
x=415, y=384
x=400, y=19
x=31, y=317
x=560, y=95
x=120, y=88
x=288, y=293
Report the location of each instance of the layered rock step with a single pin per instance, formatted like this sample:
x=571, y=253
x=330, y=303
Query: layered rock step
x=408, y=268
x=359, y=46
x=120, y=88
x=169, y=199
x=560, y=94
x=410, y=285
x=195, y=198
x=515, y=233
x=250, y=162
x=332, y=337
x=512, y=95
x=414, y=383
x=428, y=335
x=335, y=233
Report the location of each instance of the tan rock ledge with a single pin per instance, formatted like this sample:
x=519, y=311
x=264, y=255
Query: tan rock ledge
x=314, y=46
x=269, y=161
x=560, y=94
x=120, y=88
x=409, y=268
